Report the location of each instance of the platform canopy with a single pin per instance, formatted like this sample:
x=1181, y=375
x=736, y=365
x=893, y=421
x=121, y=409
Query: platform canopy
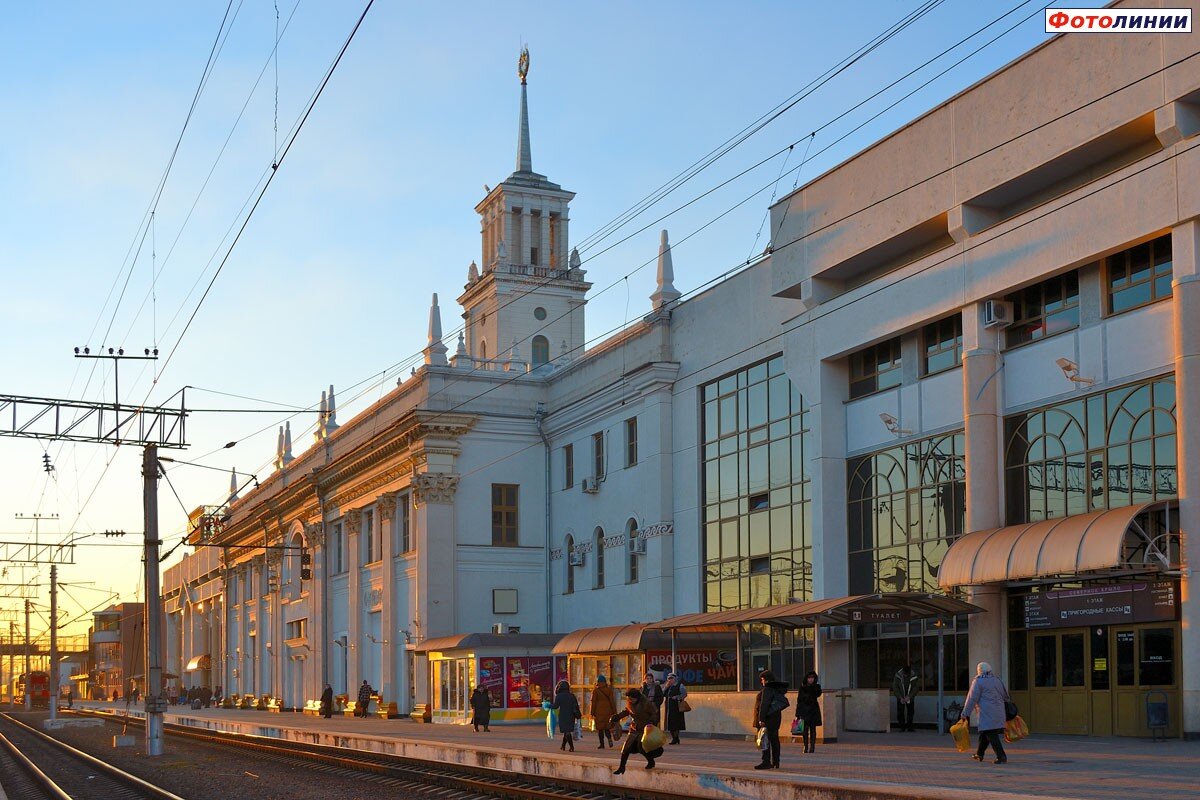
x=475, y=641
x=640, y=637
x=855, y=609
x=1101, y=543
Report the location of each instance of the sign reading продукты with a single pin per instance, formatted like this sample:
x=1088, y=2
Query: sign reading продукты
x=1116, y=604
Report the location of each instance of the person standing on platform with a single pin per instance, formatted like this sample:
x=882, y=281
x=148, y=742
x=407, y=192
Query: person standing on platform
x=641, y=712
x=364, y=699
x=768, y=714
x=481, y=709
x=568, y=714
x=904, y=686
x=987, y=692
x=673, y=697
x=71, y=697
x=604, y=706
x=808, y=710
x=327, y=702
x=653, y=692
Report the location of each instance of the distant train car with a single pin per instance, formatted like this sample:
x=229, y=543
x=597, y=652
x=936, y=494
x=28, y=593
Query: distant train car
x=38, y=686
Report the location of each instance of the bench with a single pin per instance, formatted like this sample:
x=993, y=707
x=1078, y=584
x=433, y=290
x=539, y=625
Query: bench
x=312, y=707
x=386, y=710
x=274, y=704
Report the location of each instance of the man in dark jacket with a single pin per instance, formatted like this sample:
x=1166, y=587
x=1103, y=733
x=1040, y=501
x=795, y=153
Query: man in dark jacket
x=364, y=699
x=327, y=702
x=641, y=712
x=904, y=686
x=768, y=714
x=481, y=709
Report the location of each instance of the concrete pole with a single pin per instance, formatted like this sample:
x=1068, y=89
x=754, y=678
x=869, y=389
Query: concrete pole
x=941, y=656
x=53, y=641
x=154, y=679
x=28, y=696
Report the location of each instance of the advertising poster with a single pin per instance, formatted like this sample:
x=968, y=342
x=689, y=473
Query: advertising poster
x=517, y=683
x=491, y=678
x=709, y=668
x=560, y=669
x=541, y=679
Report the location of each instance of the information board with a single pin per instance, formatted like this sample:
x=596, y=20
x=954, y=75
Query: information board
x=1113, y=604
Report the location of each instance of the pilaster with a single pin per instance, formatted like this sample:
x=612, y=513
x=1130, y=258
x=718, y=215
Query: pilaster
x=386, y=508
x=526, y=235
x=434, y=518
x=353, y=555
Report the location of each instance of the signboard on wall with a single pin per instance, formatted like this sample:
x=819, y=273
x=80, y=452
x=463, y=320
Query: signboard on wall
x=491, y=678
x=707, y=668
x=1115, y=604
x=529, y=680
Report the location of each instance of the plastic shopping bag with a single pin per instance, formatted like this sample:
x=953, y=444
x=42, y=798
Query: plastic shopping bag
x=762, y=740
x=797, y=727
x=1015, y=729
x=961, y=731
x=551, y=723
x=653, y=738
x=578, y=728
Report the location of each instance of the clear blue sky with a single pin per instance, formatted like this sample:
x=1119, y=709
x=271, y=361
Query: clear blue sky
x=373, y=209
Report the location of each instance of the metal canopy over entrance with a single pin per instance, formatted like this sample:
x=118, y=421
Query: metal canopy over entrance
x=203, y=662
x=855, y=609
x=1102, y=543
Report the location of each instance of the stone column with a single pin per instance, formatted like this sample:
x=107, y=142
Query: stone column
x=1185, y=241
x=433, y=498
x=386, y=508
x=983, y=418
x=544, y=248
x=564, y=246
x=508, y=227
x=262, y=630
x=353, y=524
x=318, y=613
x=526, y=237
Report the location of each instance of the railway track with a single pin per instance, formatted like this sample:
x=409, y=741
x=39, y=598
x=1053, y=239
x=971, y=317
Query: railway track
x=459, y=782
x=35, y=766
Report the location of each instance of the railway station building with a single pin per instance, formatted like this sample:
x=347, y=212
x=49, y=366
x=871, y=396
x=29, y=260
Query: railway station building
x=962, y=368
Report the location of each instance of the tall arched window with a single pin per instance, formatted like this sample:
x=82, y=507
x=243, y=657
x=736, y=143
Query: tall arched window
x=599, y=548
x=568, y=553
x=631, y=535
x=483, y=349
x=541, y=350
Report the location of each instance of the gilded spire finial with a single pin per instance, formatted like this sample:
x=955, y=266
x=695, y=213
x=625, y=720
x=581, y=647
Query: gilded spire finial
x=523, y=64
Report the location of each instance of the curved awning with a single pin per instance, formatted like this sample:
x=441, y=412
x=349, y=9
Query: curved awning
x=199, y=662
x=1099, y=542
x=641, y=637
x=472, y=641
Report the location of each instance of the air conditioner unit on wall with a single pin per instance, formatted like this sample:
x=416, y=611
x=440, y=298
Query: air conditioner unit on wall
x=591, y=485
x=997, y=314
x=576, y=560
x=638, y=545
x=500, y=628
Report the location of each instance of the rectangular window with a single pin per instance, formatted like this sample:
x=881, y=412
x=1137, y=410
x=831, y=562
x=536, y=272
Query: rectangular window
x=568, y=466
x=370, y=546
x=296, y=629
x=404, y=521
x=631, y=455
x=875, y=368
x=1044, y=309
x=504, y=514
x=337, y=544
x=598, y=454
x=941, y=345
x=504, y=601
x=1139, y=276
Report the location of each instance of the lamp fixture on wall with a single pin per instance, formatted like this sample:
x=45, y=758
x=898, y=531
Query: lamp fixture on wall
x=371, y=636
x=893, y=425
x=1071, y=371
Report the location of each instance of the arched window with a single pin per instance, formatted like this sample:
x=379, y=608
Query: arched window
x=541, y=350
x=631, y=535
x=483, y=349
x=568, y=552
x=599, y=548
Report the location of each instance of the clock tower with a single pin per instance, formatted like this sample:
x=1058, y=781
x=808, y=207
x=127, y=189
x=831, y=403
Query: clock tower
x=524, y=303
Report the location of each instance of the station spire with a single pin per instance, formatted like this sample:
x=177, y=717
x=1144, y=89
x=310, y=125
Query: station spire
x=524, y=154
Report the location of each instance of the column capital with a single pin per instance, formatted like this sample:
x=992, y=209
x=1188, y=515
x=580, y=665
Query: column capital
x=434, y=487
x=314, y=533
x=353, y=521
x=387, y=506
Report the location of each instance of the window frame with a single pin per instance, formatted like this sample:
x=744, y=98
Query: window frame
x=542, y=343
x=404, y=523
x=631, y=442
x=369, y=542
x=1020, y=299
x=499, y=530
x=598, y=546
x=339, y=548
x=568, y=466
x=942, y=343
x=631, y=533
x=1152, y=275
x=599, y=462
x=865, y=372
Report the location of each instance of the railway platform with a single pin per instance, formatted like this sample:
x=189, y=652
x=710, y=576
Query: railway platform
x=893, y=765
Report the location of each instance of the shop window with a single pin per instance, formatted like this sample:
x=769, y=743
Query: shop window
x=1044, y=309
x=1072, y=660
x=504, y=514
x=875, y=368
x=568, y=466
x=1139, y=276
x=1100, y=680
x=1018, y=660
x=1126, y=644
x=941, y=345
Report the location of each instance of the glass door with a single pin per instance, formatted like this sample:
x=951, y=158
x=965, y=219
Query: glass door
x=1059, y=692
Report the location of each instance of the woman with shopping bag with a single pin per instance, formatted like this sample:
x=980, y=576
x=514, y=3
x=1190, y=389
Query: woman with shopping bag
x=768, y=716
x=675, y=699
x=988, y=694
x=644, y=736
x=808, y=712
x=569, y=715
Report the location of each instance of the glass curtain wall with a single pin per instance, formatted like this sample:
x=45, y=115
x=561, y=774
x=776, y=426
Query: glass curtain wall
x=756, y=490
